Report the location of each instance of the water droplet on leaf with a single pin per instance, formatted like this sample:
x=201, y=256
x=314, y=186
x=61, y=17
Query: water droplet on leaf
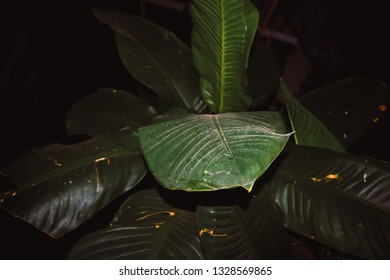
x=365, y=177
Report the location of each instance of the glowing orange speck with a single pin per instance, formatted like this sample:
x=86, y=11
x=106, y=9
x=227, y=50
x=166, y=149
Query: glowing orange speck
x=333, y=176
x=327, y=178
x=382, y=108
x=211, y=233
x=315, y=179
x=102, y=159
x=158, y=225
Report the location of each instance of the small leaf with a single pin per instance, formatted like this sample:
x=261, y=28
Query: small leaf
x=349, y=108
x=222, y=37
x=341, y=200
x=62, y=186
x=251, y=231
x=308, y=129
x=145, y=227
x=157, y=58
x=108, y=110
x=212, y=152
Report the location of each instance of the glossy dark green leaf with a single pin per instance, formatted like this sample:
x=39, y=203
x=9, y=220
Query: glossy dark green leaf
x=253, y=230
x=308, y=129
x=108, y=110
x=62, y=186
x=263, y=73
x=349, y=108
x=212, y=152
x=341, y=200
x=157, y=58
x=145, y=227
x=222, y=37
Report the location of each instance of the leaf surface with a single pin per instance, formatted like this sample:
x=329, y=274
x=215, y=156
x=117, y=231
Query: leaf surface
x=62, y=186
x=250, y=230
x=157, y=58
x=349, y=108
x=263, y=73
x=308, y=129
x=145, y=227
x=108, y=110
x=341, y=200
x=222, y=36
x=212, y=152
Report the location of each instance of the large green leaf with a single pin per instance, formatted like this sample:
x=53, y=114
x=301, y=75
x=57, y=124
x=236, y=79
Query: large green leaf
x=157, y=58
x=263, y=73
x=308, y=129
x=145, y=227
x=212, y=152
x=341, y=200
x=251, y=229
x=60, y=186
x=222, y=37
x=349, y=108
x=108, y=110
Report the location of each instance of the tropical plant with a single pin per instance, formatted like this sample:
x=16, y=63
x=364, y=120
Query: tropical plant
x=231, y=182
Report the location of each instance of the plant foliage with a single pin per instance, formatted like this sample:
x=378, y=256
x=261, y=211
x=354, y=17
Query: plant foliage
x=212, y=152
x=240, y=187
x=222, y=36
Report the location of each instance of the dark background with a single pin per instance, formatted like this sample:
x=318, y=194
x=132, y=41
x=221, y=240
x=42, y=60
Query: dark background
x=55, y=52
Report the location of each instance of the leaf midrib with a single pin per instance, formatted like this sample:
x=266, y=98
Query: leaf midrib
x=221, y=135
x=222, y=81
